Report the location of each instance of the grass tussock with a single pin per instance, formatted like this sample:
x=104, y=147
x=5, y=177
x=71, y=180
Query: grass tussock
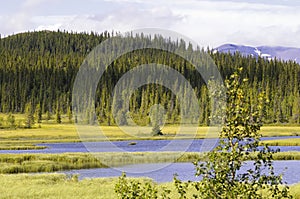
x=21, y=147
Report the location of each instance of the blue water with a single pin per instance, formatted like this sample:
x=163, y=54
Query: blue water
x=164, y=172
x=196, y=145
x=160, y=172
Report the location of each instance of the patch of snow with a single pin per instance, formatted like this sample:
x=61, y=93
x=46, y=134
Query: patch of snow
x=265, y=55
x=257, y=51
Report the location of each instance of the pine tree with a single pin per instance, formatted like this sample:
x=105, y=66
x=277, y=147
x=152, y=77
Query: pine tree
x=156, y=114
x=70, y=115
x=48, y=116
x=29, y=121
x=40, y=68
x=296, y=109
x=38, y=113
x=58, y=114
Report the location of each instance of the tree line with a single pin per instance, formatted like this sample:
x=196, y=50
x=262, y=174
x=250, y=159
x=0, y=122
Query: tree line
x=38, y=69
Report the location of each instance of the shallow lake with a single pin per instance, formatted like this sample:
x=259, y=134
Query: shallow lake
x=163, y=172
x=196, y=145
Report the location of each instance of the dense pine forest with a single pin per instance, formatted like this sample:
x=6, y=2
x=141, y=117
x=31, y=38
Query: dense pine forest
x=37, y=71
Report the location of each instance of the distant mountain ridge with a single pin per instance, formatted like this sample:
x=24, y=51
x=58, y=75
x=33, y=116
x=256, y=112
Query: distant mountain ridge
x=268, y=52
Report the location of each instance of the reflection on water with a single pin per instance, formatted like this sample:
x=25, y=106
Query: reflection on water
x=185, y=171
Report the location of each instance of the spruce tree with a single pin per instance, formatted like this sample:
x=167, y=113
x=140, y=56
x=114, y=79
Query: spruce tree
x=38, y=113
x=29, y=120
x=57, y=114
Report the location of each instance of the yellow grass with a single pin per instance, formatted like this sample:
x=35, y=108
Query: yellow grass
x=49, y=131
x=69, y=131
x=61, y=186
x=284, y=142
x=280, y=130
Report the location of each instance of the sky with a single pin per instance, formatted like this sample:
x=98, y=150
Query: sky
x=208, y=22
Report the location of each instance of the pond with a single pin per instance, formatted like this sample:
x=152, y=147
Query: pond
x=138, y=146
x=185, y=171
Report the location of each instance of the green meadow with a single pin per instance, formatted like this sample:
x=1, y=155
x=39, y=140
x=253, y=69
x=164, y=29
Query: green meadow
x=15, y=183
x=34, y=163
x=65, y=186
x=51, y=132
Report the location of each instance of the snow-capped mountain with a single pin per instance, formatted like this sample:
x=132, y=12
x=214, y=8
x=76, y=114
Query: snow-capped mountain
x=281, y=53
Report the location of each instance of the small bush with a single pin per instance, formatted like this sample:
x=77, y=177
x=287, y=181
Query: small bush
x=127, y=189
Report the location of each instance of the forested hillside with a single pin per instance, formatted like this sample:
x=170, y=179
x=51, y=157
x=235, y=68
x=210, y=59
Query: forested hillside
x=37, y=71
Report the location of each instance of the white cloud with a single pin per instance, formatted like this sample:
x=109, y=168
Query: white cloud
x=52, y=23
x=32, y=3
x=125, y=19
x=20, y=21
x=207, y=22
x=214, y=23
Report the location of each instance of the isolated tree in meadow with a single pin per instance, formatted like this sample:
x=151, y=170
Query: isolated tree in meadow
x=29, y=120
x=157, y=117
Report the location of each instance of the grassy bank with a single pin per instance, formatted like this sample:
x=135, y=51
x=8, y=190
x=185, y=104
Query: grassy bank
x=20, y=147
x=50, y=132
x=30, y=163
x=63, y=186
x=284, y=142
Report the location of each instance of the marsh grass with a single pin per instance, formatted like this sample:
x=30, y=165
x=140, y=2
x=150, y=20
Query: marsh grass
x=33, y=163
x=27, y=163
x=283, y=142
x=291, y=155
x=27, y=186
x=20, y=147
